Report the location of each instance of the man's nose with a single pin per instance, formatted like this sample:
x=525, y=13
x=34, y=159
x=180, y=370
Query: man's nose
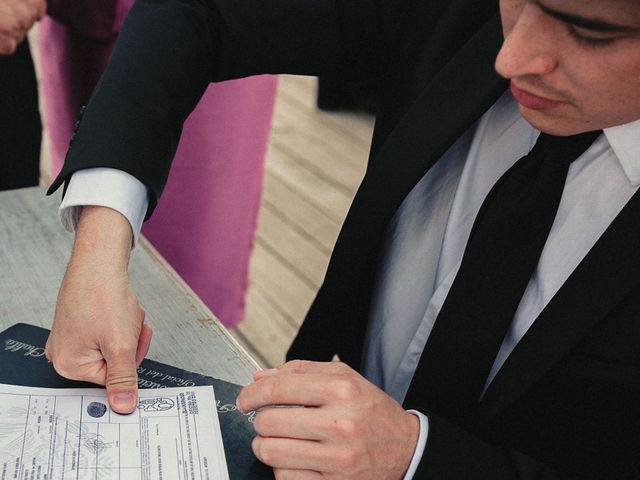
x=529, y=48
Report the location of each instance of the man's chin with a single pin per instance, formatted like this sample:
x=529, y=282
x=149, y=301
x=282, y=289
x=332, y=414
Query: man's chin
x=553, y=124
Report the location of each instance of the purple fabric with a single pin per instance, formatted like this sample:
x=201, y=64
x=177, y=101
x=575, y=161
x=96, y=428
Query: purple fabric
x=217, y=176
x=205, y=222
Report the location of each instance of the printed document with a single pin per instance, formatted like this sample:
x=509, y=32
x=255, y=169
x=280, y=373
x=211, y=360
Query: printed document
x=62, y=434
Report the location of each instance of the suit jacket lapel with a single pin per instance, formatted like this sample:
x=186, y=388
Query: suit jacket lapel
x=448, y=106
x=600, y=282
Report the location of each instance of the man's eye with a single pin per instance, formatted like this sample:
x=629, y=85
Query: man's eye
x=590, y=39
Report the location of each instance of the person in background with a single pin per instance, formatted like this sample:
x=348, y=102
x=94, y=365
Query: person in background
x=20, y=127
x=220, y=155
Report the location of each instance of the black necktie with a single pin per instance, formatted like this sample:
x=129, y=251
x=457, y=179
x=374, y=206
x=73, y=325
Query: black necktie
x=502, y=252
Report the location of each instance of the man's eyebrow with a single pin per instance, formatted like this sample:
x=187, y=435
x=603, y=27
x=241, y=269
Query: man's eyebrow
x=587, y=23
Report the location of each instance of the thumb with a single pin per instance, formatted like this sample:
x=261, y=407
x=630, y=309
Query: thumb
x=122, y=381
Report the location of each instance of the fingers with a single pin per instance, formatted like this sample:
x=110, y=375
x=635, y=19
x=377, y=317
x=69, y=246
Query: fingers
x=299, y=383
x=94, y=371
x=8, y=45
x=302, y=455
x=299, y=423
x=144, y=341
x=264, y=373
x=311, y=390
x=317, y=424
x=122, y=380
x=283, y=453
x=40, y=9
x=84, y=364
x=16, y=18
x=285, y=474
x=306, y=366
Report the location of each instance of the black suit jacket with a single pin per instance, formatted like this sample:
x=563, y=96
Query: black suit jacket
x=566, y=404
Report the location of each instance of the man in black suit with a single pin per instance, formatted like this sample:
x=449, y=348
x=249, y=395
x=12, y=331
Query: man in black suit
x=561, y=398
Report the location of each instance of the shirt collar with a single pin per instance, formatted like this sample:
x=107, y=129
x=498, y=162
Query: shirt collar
x=625, y=143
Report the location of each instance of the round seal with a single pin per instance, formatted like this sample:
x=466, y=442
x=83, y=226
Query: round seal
x=96, y=409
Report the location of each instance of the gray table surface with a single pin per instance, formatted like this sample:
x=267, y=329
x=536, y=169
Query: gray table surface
x=34, y=251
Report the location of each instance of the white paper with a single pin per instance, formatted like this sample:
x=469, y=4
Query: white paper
x=61, y=434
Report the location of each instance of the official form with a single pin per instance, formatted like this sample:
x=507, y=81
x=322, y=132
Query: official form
x=64, y=434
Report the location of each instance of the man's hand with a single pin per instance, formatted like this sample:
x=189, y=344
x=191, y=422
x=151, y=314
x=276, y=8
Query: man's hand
x=350, y=429
x=16, y=18
x=99, y=334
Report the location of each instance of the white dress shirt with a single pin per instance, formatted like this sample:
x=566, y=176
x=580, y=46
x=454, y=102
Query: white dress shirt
x=428, y=234
x=105, y=187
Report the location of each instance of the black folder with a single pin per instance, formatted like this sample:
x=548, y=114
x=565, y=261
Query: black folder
x=22, y=362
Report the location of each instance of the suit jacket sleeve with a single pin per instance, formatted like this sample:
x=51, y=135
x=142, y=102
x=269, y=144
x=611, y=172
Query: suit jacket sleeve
x=169, y=50
x=91, y=19
x=453, y=453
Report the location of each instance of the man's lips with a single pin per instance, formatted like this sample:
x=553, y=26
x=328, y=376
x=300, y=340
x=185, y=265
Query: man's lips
x=529, y=100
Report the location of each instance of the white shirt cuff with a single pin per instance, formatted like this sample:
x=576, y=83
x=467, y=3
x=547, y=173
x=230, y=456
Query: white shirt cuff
x=422, y=442
x=105, y=187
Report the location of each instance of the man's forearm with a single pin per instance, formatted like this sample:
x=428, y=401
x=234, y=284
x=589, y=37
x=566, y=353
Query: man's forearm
x=104, y=234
